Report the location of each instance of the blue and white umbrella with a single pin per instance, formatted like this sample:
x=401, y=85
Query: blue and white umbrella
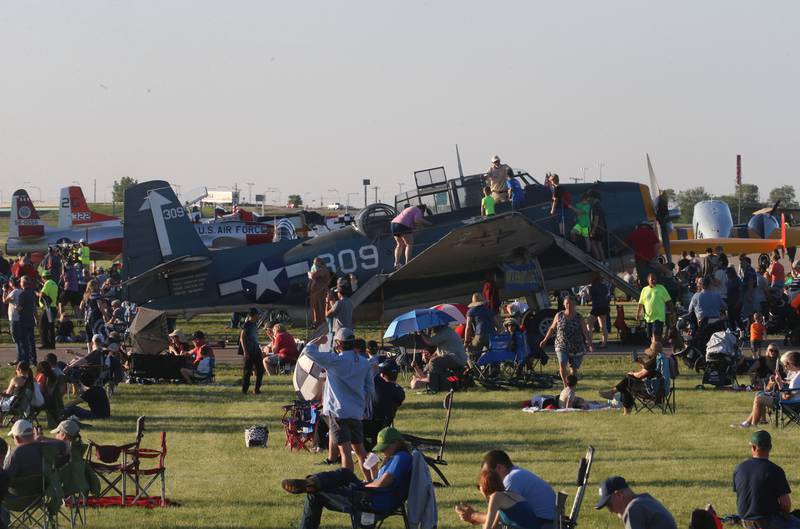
x=416, y=320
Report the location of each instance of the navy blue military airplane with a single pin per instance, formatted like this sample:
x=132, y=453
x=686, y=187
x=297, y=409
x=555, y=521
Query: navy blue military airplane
x=169, y=268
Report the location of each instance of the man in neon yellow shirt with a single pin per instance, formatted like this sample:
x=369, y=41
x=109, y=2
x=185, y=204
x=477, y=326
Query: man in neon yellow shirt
x=48, y=302
x=653, y=301
x=85, y=254
x=487, y=203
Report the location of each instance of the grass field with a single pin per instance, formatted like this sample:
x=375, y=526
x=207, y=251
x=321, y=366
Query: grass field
x=685, y=460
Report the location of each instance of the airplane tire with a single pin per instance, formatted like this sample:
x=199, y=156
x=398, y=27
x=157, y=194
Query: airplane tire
x=537, y=323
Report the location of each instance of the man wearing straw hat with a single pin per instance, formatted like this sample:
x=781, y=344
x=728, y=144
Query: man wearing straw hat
x=481, y=325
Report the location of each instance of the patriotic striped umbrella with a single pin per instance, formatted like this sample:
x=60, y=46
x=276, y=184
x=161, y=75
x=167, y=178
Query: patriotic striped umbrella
x=457, y=311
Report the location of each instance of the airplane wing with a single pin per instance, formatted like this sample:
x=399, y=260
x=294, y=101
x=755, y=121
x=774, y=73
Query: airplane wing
x=181, y=265
x=731, y=245
x=477, y=246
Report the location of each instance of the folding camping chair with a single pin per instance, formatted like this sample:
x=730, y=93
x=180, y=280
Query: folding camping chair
x=582, y=481
x=659, y=389
x=299, y=422
x=112, y=463
x=33, y=501
x=16, y=407
x=787, y=411
x=76, y=485
x=435, y=445
x=138, y=456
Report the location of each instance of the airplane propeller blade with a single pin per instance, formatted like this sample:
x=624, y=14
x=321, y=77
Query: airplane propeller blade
x=654, y=189
x=460, y=169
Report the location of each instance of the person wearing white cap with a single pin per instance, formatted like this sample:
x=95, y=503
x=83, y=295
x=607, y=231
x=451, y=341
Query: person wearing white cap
x=26, y=459
x=344, y=400
x=497, y=176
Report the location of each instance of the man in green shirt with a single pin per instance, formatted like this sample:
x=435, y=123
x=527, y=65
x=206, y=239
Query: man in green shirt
x=653, y=301
x=487, y=203
x=48, y=302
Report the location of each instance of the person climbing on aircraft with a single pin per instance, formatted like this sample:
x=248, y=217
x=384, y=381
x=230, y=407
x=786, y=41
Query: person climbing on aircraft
x=403, y=226
x=497, y=179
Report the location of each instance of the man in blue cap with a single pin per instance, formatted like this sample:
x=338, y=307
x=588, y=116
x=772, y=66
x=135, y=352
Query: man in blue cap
x=762, y=491
x=638, y=511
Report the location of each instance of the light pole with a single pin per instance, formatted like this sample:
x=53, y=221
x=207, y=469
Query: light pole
x=347, y=207
x=400, y=187
x=600, y=166
x=277, y=194
x=338, y=195
x=250, y=192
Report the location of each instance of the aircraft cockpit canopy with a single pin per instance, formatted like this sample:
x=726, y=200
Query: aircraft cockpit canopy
x=441, y=195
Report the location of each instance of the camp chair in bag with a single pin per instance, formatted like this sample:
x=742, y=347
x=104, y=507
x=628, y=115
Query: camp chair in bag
x=140, y=470
x=659, y=389
x=112, y=463
x=33, y=501
x=435, y=445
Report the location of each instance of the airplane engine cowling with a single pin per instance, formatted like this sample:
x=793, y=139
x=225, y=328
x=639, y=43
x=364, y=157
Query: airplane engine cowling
x=712, y=219
x=763, y=225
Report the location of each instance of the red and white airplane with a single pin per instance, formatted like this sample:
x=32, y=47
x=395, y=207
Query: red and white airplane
x=28, y=233
x=103, y=233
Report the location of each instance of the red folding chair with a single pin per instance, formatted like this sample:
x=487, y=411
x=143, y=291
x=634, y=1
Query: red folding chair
x=111, y=463
x=147, y=465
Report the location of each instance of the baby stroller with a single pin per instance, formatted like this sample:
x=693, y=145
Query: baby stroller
x=693, y=340
x=722, y=355
x=299, y=422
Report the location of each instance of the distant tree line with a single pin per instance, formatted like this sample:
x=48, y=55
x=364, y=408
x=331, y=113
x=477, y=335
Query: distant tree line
x=748, y=194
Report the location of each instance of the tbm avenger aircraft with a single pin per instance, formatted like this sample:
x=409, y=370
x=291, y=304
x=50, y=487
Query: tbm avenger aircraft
x=168, y=268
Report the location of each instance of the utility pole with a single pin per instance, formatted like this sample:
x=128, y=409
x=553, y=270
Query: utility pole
x=400, y=187
x=739, y=187
x=600, y=166
x=250, y=192
x=95, y=191
x=375, y=188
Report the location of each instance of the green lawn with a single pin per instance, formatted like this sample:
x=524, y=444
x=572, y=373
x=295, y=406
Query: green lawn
x=685, y=460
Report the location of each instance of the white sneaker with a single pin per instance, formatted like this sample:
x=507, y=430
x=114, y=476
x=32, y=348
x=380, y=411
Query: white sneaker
x=743, y=424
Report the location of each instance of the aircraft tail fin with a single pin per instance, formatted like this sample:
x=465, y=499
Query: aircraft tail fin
x=74, y=211
x=25, y=221
x=156, y=228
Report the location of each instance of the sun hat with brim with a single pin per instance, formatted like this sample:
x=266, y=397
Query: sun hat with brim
x=608, y=487
x=68, y=427
x=386, y=437
x=477, y=301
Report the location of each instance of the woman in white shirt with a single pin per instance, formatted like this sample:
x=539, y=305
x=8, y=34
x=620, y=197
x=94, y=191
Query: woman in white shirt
x=791, y=361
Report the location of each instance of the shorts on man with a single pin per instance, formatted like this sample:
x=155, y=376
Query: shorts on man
x=346, y=431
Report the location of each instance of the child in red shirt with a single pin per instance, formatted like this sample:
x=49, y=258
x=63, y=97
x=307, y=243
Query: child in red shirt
x=758, y=334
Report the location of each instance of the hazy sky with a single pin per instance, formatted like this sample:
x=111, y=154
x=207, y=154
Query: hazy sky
x=316, y=95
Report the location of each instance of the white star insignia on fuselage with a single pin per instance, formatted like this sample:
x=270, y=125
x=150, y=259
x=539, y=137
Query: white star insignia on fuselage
x=264, y=279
